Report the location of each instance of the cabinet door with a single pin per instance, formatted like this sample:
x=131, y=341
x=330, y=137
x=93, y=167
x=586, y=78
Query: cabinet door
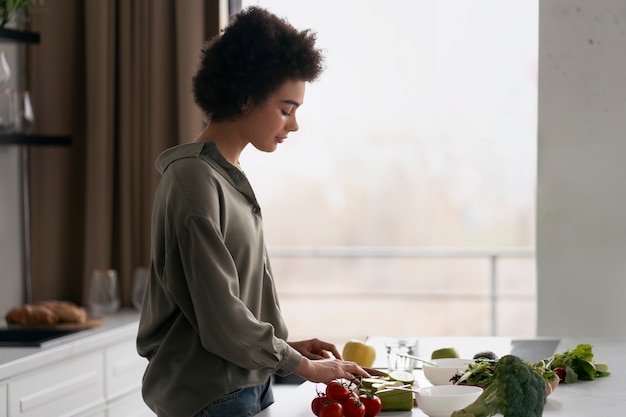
x=4, y=400
x=124, y=369
x=131, y=405
x=65, y=388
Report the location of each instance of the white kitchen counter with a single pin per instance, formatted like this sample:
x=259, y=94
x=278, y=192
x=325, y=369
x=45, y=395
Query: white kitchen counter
x=602, y=397
x=91, y=373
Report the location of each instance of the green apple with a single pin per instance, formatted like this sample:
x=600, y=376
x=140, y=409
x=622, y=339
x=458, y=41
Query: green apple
x=443, y=353
x=359, y=352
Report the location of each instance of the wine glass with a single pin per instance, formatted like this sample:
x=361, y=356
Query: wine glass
x=104, y=295
x=24, y=118
x=5, y=70
x=7, y=110
x=139, y=284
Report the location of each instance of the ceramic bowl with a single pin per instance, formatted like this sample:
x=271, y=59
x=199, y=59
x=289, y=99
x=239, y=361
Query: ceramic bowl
x=445, y=369
x=442, y=400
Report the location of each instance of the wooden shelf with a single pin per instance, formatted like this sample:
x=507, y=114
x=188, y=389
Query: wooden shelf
x=23, y=36
x=36, y=140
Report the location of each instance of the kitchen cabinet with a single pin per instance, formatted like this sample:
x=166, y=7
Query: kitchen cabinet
x=94, y=374
x=106, y=382
x=131, y=405
x=124, y=370
x=64, y=388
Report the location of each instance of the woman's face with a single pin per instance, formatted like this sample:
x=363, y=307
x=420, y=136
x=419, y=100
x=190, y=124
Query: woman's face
x=269, y=123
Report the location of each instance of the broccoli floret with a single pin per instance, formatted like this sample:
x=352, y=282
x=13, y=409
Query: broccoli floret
x=516, y=391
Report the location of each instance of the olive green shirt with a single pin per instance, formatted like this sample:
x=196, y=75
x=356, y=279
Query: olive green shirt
x=210, y=321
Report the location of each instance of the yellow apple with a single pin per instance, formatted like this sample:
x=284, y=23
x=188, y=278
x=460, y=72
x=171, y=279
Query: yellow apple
x=359, y=352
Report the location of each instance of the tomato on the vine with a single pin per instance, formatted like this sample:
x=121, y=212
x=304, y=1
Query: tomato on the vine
x=353, y=407
x=336, y=390
x=331, y=409
x=317, y=404
x=372, y=404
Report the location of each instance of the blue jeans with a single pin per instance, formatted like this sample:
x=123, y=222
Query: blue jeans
x=245, y=402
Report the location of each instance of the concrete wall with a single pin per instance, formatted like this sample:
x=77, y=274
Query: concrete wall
x=581, y=211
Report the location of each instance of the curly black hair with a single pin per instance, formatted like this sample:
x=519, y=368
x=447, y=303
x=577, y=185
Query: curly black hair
x=255, y=55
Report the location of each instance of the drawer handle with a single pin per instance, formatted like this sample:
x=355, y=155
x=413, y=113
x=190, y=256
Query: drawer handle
x=60, y=390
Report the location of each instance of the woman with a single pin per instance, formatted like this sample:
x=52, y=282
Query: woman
x=210, y=324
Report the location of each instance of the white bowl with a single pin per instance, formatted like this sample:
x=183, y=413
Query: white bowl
x=442, y=400
x=445, y=369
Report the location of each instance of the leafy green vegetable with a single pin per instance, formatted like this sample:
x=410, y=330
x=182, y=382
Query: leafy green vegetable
x=578, y=364
x=517, y=390
x=481, y=373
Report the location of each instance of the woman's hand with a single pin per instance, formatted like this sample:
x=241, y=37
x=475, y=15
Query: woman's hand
x=325, y=370
x=316, y=349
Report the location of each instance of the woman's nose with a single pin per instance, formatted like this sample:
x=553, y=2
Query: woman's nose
x=292, y=124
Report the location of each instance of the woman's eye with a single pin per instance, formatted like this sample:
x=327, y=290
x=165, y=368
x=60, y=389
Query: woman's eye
x=285, y=113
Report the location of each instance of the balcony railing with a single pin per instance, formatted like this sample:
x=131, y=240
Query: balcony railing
x=493, y=255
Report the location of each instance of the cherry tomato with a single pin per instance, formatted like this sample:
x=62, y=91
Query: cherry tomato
x=353, y=407
x=331, y=409
x=335, y=390
x=318, y=403
x=372, y=404
x=560, y=372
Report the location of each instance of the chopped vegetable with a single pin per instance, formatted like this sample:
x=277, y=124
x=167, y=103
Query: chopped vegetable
x=516, y=390
x=386, y=389
x=395, y=399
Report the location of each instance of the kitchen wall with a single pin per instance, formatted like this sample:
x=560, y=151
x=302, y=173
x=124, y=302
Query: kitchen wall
x=10, y=209
x=581, y=212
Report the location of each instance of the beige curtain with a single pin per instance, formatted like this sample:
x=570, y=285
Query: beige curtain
x=116, y=76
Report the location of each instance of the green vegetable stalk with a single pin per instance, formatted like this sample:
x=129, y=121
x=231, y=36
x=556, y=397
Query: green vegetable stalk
x=516, y=390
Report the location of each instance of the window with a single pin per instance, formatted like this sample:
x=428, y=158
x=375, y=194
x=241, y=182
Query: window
x=411, y=182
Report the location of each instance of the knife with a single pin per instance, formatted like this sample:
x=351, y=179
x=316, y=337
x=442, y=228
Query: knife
x=374, y=371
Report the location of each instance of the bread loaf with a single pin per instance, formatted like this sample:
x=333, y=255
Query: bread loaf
x=30, y=314
x=66, y=311
x=46, y=313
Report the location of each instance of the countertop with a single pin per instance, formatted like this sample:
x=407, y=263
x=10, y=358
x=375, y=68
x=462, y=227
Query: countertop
x=116, y=328
x=601, y=397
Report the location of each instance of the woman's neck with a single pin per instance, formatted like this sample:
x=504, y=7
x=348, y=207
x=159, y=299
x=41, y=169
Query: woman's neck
x=226, y=138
